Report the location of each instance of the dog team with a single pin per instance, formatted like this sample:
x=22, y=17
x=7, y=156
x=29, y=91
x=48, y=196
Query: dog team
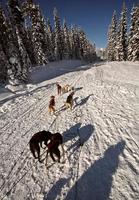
x=51, y=140
x=62, y=90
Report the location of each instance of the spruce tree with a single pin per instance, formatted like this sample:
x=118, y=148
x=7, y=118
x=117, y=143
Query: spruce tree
x=3, y=65
x=9, y=52
x=59, y=39
x=75, y=42
x=111, y=53
x=50, y=41
x=133, y=42
x=38, y=35
x=20, y=39
x=83, y=44
x=121, y=40
x=90, y=53
x=67, y=46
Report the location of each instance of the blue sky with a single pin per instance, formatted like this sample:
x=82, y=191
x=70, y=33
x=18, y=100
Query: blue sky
x=93, y=16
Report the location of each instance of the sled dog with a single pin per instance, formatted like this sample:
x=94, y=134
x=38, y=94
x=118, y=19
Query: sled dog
x=69, y=101
x=52, y=105
x=36, y=142
x=56, y=140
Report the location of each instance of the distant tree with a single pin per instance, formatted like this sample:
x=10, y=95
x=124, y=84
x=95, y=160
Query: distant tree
x=121, y=40
x=90, y=55
x=59, y=38
x=67, y=46
x=49, y=35
x=111, y=53
x=133, y=42
x=75, y=42
x=82, y=44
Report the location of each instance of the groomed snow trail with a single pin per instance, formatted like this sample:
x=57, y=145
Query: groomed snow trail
x=100, y=138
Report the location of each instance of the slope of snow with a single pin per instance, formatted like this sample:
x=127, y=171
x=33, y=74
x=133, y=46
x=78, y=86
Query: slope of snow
x=100, y=137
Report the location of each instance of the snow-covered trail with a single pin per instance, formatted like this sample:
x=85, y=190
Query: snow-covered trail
x=100, y=135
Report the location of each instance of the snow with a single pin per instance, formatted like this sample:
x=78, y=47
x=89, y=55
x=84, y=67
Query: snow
x=100, y=134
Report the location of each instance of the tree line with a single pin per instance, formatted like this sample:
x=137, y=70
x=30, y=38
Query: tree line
x=27, y=39
x=123, y=44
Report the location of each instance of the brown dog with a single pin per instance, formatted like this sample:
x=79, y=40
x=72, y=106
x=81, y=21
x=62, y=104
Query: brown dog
x=59, y=89
x=36, y=142
x=56, y=140
x=69, y=101
x=52, y=105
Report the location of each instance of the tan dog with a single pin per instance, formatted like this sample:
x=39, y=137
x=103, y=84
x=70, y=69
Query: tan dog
x=52, y=105
x=67, y=88
x=69, y=101
x=36, y=142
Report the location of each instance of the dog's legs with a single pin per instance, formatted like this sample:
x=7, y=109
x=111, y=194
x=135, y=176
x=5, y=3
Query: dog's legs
x=71, y=105
x=67, y=105
x=38, y=152
x=51, y=154
x=49, y=110
x=33, y=153
x=32, y=149
x=46, y=158
x=57, y=153
x=52, y=110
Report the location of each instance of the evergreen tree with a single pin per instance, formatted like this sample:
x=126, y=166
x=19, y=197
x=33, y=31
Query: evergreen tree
x=9, y=52
x=133, y=42
x=50, y=41
x=38, y=35
x=90, y=54
x=84, y=45
x=111, y=53
x=20, y=39
x=121, y=40
x=26, y=10
x=67, y=46
x=75, y=42
x=59, y=39
x=3, y=65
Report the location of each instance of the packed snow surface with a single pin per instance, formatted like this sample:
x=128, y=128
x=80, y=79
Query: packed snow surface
x=101, y=134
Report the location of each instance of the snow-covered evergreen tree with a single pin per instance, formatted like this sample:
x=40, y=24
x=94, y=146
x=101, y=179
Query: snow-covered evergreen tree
x=9, y=52
x=26, y=10
x=133, y=41
x=38, y=35
x=59, y=38
x=20, y=39
x=3, y=65
x=121, y=40
x=48, y=40
x=111, y=53
x=75, y=42
x=90, y=52
x=82, y=44
x=67, y=46
x=87, y=50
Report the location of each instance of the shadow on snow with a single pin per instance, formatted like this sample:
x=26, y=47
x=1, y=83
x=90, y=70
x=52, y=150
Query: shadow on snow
x=96, y=182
